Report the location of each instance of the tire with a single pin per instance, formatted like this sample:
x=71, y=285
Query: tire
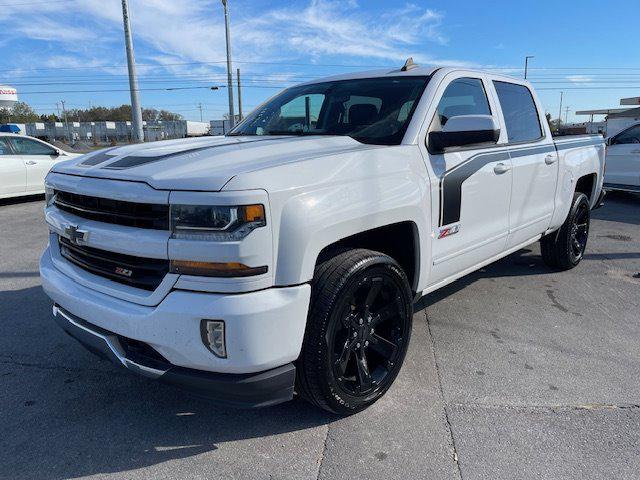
x=564, y=249
x=351, y=352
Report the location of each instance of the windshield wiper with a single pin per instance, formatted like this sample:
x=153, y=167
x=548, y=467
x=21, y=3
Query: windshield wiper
x=287, y=132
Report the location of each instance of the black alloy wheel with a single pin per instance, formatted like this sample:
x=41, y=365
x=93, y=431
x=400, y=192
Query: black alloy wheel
x=366, y=344
x=358, y=330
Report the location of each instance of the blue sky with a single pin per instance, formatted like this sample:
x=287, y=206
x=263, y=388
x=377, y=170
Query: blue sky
x=58, y=49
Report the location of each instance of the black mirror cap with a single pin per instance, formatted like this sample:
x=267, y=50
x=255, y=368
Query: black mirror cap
x=439, y=141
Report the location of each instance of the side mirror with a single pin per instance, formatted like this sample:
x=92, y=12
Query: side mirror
x=464, y=130
x=56, y=153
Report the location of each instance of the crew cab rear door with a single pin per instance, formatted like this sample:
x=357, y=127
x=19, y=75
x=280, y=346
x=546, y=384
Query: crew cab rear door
x=471, y=185
x=534, y=160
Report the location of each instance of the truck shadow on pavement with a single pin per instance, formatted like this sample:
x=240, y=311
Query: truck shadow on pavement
x=519, y=264
x=66, y=414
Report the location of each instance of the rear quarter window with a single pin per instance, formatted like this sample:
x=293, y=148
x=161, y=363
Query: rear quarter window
x=519, y=111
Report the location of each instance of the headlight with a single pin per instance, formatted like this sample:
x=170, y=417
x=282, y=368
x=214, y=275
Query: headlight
x=215, y=223
x=49, y=195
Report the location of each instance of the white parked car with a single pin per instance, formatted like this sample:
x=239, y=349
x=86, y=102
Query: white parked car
x=623, y=161
x=24, y=164
x=289, y=253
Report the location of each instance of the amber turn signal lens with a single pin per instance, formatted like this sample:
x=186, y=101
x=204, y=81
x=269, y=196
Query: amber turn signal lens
x=214, y=269
x=254, y=213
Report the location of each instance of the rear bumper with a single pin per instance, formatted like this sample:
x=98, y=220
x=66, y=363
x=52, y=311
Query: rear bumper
x=239, y=390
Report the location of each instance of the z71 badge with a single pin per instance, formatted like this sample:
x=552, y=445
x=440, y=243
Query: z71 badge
x=124, y=272
x=448, y=231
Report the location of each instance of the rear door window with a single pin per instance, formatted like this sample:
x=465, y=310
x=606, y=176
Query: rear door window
x=519, y=111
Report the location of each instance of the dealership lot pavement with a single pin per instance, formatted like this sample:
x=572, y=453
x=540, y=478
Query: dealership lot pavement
x=513, y=372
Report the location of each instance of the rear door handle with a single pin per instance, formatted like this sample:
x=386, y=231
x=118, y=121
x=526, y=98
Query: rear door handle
x=31, y=162
x=635, y=151
x=501, y=168
x=550, y=159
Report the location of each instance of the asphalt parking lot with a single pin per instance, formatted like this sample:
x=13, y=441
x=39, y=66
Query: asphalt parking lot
x=513, y=372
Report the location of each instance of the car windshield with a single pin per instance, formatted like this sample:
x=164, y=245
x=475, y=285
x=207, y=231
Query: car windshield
x=372, y=110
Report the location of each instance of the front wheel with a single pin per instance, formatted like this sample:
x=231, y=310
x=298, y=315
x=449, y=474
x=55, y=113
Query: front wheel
x=357, y=333
x=565, y=248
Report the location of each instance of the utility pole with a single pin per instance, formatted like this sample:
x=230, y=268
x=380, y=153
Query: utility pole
x=136, y=111
x=560, y=114
x=526, y=64
x=200, y=108
x=232, y=119
x=566, y=115
x=239, y=97
x=66, y=122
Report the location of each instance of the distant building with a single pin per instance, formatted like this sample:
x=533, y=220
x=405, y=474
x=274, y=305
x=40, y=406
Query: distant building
x=616, y=122
x=8, y=96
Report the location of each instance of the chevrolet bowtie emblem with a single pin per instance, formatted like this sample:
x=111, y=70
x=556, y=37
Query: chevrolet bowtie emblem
x=75, y=235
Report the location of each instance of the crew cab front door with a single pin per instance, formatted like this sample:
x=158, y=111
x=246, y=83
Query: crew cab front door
x=471, y=186
x=38, y=158
x=623, y=158
x=13, y=174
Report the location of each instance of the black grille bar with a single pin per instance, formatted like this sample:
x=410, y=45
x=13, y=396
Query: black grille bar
x=118, y=212
x=144, y=273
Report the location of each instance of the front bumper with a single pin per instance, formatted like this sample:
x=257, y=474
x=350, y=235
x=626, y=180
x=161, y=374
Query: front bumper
x=240, y=390
x=263, y=329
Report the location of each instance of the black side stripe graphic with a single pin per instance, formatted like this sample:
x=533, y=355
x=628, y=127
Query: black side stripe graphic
x=98, y=158
x=452, y=180
x=137, y=160
x=451, y=183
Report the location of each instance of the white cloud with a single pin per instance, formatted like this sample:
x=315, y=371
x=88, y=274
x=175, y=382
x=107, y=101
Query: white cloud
x=167, y=29
x=579, y=79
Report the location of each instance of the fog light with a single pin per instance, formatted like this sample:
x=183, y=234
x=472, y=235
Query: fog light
x=213, y=337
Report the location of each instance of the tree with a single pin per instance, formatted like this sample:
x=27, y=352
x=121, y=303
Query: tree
x=167, y=116
x=19, y=113
x=23, y=113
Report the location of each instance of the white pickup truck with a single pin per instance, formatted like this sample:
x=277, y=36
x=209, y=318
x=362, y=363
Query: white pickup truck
x=288, y=254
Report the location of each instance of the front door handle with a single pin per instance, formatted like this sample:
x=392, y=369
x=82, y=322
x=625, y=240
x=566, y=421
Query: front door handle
x=550, y=159
x=31, y=162
x=634, y=151
x=501, y=168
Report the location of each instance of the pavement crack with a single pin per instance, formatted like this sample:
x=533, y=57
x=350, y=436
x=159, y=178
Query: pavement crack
x=548, y=408
x=444, y=404
x=324, y=449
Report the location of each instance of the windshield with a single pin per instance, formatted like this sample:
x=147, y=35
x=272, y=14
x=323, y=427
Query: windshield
x=372, y=110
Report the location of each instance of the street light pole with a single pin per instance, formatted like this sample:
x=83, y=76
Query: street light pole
x=136, y=111
x=229, y=67
x=239, y=97
x=560, y=114
x=526, y=64
x=66, y=122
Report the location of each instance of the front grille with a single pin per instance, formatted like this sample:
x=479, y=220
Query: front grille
x=119, y=212
x=144, y=273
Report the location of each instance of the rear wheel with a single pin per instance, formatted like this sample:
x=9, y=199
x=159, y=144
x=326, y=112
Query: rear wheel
x=357, y=333
x=565, y=248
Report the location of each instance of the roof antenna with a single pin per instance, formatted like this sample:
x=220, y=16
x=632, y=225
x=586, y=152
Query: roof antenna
x=408, y=65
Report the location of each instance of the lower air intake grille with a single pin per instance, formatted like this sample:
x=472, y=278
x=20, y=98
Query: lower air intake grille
x=144, y=273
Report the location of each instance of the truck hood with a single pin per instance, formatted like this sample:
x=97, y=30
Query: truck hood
x=204, y=164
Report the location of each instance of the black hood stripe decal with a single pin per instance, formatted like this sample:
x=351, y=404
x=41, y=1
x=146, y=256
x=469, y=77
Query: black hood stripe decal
x=98, y=158
x=451, y=181
x=138, y=160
